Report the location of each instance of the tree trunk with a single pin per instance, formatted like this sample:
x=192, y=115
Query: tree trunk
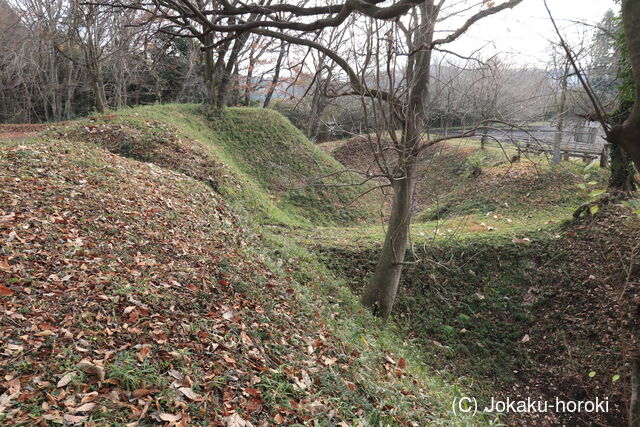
x=276, y=76
x=621, y=171
x=56, y=100
x=604, y=156
x=381, y=292
x=634, y=401
x=485, y=137
x=557, y=144
x=209, y=70
x=234, y=99
x=191, y=64
x=248, y=85
x=628, y=134
x=318, y=105
x=119, y=84
x=226, y=77
x=72, y=79
x=94, y=69
x=213, y=70
x=98, y=89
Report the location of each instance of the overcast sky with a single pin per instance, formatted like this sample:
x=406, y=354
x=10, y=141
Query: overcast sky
x=523, y=32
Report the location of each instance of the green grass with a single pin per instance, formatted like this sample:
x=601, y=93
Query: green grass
x=268, y=148
x=457, y=178
x=255, y=158
x=316, y=279
x=131, y=374
x=509, y=315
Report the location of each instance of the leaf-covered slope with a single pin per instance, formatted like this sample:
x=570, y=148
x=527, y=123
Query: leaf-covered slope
x=129, y=293
x=254, y=157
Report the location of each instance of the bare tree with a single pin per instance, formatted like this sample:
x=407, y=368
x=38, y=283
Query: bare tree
x=485, y=95
x=276, y=75
x=409, y=29
x=91, y=25
x=60, y=59
x=560, y=72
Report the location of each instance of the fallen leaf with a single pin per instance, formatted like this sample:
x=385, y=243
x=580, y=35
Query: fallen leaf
x=84, y=408
x=253, y=405
x=140, y=392
x=5, y=292
x=524, y=241
x=143, y=352
x=247, y=340
x=252, y=392
x=14, y=348
x=55, y=417
x=66, y=379
x=8, y=218
x=12, y=393
x=129, y=309
x=235, y=420
x=91, y=368
x=40, y=383
x=402, y=363
x=176, y=374
x=169, y=417
x=75, y=419
x=189, y=393
x=89, y=397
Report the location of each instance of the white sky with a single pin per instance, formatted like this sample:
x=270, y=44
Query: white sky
x=522, y=33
